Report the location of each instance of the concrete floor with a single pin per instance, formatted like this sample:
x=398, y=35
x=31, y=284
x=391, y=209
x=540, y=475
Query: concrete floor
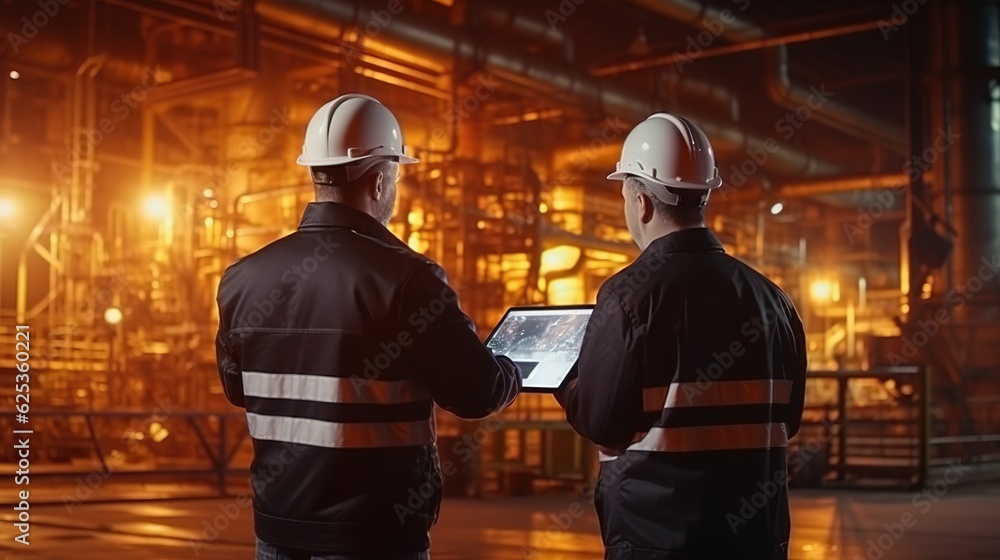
x=828, y=525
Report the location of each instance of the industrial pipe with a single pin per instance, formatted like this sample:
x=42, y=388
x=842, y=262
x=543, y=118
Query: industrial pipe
x=445, y=43
x=834, y=114
x=779, y=85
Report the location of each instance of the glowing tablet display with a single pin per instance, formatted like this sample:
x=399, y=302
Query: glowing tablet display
x=543, y=341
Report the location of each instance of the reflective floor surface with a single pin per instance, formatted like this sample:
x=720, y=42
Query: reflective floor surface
x=962, y=523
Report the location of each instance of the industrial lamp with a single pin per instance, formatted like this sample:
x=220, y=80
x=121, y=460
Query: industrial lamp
x=112, y=316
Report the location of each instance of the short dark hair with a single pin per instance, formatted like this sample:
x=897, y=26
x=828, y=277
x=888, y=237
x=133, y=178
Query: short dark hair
x=690, y=209
x=330, y=181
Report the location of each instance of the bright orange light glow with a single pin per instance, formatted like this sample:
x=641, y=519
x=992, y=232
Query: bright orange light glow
x=113, y=316
x=155, y=207
x=6, y=208
x=568, y=290
x=158, y=432
x=821, y=290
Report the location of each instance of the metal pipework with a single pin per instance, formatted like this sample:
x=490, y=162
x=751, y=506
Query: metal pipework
x=449, y=45
x=780, y=87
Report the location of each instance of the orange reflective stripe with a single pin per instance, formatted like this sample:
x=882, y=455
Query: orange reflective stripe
x=713, y=438
x=725, y=393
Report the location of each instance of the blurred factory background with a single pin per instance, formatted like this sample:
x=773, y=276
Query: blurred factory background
x=146, y=145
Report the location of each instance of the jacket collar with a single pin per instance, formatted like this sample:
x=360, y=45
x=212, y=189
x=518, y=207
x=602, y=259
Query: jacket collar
x=319, y=215
x=693, y=240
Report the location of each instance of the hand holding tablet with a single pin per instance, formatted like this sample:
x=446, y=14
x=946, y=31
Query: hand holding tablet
x=543, y=341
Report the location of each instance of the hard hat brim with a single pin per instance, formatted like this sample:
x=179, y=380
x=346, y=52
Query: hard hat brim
x=621, y=175
x=345, y=160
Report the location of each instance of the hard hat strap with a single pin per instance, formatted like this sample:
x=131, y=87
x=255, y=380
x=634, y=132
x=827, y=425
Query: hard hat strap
x=673, y=198
x=342, y=175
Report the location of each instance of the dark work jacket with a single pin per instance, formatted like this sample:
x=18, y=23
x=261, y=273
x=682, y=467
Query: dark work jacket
x=338, y=340
x=692, y=368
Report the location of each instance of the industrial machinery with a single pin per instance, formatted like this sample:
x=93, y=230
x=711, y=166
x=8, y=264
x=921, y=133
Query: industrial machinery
x=146, y=145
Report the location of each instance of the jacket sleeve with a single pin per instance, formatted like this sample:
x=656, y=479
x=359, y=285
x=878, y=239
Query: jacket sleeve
x=226, y=355
x=461, y=374
x=799, y=365
x=604, y=402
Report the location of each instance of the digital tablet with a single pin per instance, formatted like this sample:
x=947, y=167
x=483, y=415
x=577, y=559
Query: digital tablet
x=543, y=341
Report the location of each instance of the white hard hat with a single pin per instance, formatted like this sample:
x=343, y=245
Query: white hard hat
x=666, y=150
x=353, y=130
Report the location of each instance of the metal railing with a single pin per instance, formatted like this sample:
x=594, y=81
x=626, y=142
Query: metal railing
x=178, y=445
x=874, y=425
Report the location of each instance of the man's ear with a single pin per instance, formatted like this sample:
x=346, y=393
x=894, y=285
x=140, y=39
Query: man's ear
x=646, y=208
x=377, y=186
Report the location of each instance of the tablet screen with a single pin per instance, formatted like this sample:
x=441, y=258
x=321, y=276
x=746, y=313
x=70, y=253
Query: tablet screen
x=543, y=341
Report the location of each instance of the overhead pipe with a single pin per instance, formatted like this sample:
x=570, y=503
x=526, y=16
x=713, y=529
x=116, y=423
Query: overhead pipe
x=780, y=87
x=693, y=12
x=445, y=43
x=704, y=92
x=836, y=115
x=745, y=46
x=506, y=18
x=894, y=181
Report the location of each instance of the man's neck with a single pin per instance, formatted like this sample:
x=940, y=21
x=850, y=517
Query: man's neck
x=663, y=229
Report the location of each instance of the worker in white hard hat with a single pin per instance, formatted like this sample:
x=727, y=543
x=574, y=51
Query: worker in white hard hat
x=691, y=374
x=339, y=340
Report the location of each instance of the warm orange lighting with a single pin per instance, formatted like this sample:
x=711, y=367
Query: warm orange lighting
x=370, y=44
x=397, y=81
x=415, y=218
x=559, y=258
x=155, y=207
x=904, y=309
x=777, y=208
x=567, y=290
x=529, y=116
x=158, y=432
x=400, y=68
x=208, y=193
x=599, y=255
x=113, y=316
x=14, y=74
x=6, y=208
x=543, y=208
x=821, y=290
